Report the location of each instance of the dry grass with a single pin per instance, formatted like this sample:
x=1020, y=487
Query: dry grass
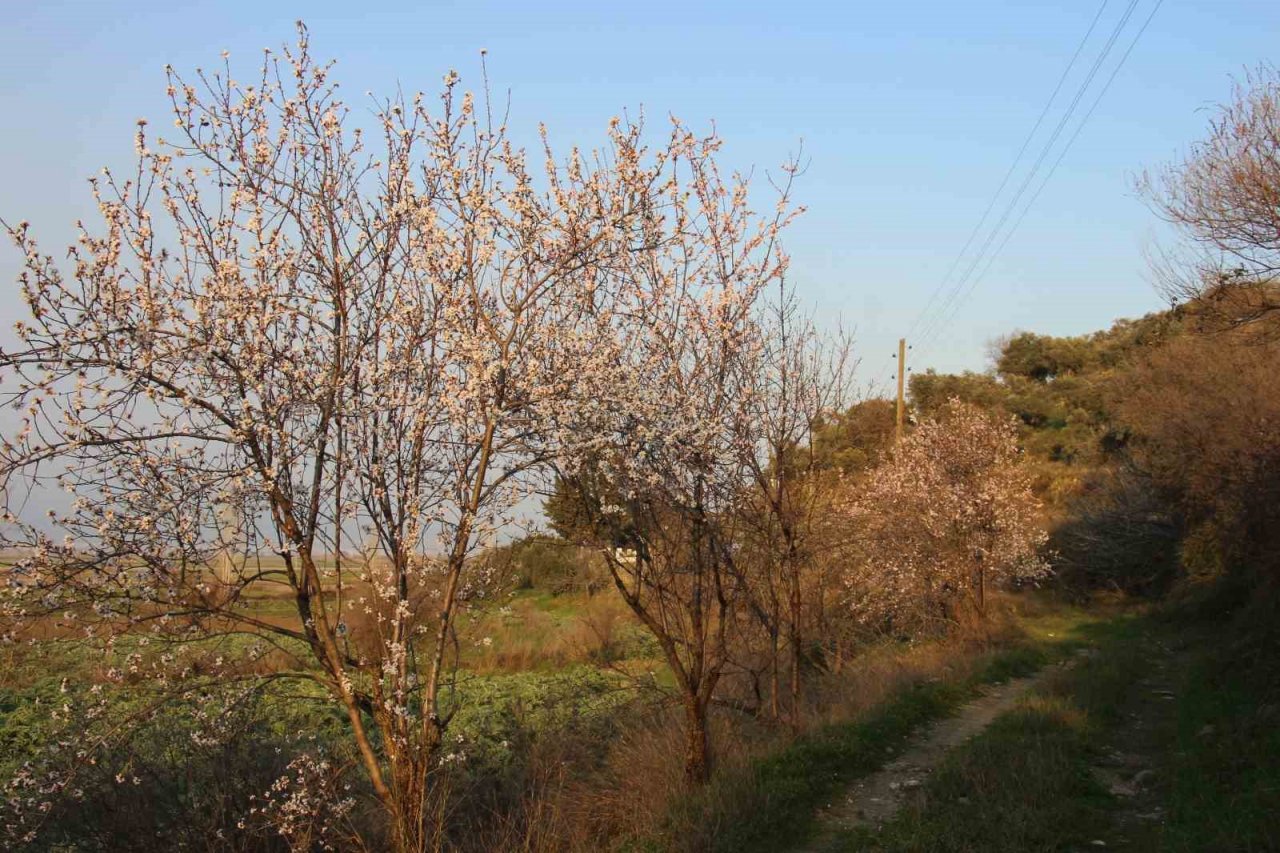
x=630, y=791
x=581, y=792
x=533, y=633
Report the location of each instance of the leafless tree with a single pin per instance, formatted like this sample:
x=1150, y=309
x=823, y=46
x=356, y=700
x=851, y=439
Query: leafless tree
x=1224, y=197
x=801, y=377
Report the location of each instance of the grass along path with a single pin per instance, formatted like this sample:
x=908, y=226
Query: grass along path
x=773, y=804
x=1166, y=739
x=876, y=798
x=1027, y=783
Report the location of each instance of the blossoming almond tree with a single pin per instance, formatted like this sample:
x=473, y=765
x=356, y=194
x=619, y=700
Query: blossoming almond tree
x=671, y=420
x=950, y=515
x=287, y=361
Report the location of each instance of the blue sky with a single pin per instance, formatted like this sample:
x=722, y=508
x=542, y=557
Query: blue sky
x=910, y=114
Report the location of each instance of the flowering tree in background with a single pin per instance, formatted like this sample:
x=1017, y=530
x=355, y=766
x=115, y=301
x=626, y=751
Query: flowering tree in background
x=949, y=516
x=292, y=360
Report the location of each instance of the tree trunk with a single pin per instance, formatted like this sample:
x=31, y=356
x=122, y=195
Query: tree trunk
x=775, y=709
x=797, y=649
x=697, y=757
x=982, y=590
x=409, y=833
x=413, y=828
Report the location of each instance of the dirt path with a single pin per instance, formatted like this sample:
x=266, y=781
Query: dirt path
x=876, y=798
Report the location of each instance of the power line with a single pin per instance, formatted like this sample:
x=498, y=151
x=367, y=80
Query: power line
x=1052, y=169
x=1072, y=139
x=1004, y=182
x=1012, y=168
x=938, y=323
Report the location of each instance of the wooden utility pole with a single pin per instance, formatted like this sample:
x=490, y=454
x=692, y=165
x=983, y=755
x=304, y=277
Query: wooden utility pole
x=902, y=379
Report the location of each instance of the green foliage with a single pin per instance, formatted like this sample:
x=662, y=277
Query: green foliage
x=856, y=439
x=500, y=715
x=565, y=513
x=546, y=562
x=1042, y=358
x=1220, y=751
x=1059, y=389
x=929, y=391
x=175, y=778
x=575, y=510
x=179, y=783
